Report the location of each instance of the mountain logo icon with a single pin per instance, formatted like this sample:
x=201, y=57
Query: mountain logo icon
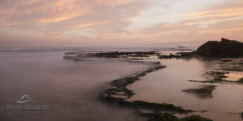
x=24, y=99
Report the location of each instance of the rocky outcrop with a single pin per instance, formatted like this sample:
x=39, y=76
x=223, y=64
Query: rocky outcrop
x=224, y=48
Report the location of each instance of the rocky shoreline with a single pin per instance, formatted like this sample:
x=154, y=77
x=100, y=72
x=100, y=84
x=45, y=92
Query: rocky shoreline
x=162, y=111
x=117, y=93
x=225, y=48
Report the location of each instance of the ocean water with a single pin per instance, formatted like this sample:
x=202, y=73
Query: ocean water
x=69, y=88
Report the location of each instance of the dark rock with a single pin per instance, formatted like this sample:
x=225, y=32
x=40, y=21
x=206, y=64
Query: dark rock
x=160, y=106
x=179, y=55
x=195, y=118
x=202, y=92
x=242, y=115
x=240, y=81
x=224, y=48
x=158, y=116
x=117, y=54
x=163, y=116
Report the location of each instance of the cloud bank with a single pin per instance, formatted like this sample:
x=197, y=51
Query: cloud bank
x=116, y=22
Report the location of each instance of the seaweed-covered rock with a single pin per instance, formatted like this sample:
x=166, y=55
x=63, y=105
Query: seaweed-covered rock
x=159, y=116
x=240, y=81
x=195, y=118
x=224, y=48
x=203, y=92
x=242, y=115
x=158, y=106
x=117, y=54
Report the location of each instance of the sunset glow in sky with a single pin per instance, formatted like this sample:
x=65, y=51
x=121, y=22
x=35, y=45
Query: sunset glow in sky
x=60, y=23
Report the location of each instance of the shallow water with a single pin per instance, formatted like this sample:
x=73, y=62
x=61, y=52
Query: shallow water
x=234, y=76
x=70, y=88
x=166, y=85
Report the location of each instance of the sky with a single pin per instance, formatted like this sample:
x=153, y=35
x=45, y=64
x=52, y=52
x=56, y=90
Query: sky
x=111, y=23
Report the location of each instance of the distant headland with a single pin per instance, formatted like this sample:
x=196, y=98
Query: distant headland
x=224, y=48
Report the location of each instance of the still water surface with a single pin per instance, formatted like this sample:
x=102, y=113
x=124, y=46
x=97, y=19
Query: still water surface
x=70, y=88
x=166, y=85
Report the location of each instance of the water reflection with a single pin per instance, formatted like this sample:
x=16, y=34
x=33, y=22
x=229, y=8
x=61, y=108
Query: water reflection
x=166, y=85
x=234, y=76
